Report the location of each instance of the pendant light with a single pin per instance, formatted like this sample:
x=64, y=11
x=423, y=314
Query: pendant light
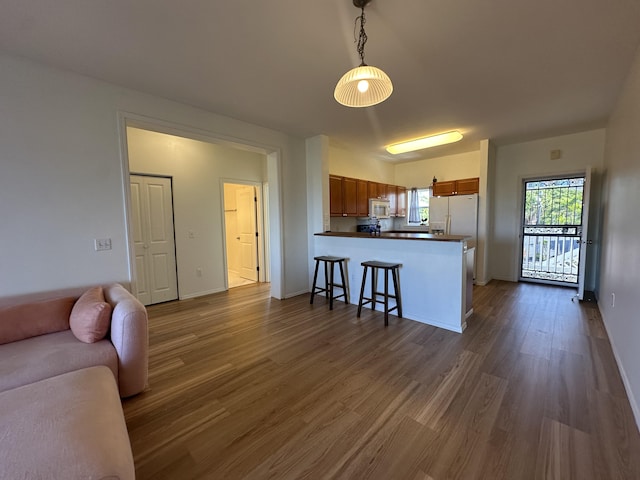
x=364, y=85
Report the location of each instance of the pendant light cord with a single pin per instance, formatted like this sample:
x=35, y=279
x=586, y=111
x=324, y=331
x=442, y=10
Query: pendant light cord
x=362, y=38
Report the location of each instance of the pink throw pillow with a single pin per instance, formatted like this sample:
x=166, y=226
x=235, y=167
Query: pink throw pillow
x=91, y=316
x=36, y=318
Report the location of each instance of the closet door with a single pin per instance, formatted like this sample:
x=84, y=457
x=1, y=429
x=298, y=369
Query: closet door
x=154, y=241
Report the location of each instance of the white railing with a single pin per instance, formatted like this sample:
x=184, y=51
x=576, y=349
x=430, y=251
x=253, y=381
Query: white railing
x=551, y=257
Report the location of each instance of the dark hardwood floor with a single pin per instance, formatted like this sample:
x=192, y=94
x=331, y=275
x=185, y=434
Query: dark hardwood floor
x=243, y=386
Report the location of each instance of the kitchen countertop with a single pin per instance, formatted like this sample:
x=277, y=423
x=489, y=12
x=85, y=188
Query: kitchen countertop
x=396, y=235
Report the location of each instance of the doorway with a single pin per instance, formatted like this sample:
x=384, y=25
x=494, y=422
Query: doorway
x=195, y=225
x=242, y=234
x=554, y=230
x=154, y=238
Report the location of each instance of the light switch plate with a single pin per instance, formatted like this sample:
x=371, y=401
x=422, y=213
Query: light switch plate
x=102, y=244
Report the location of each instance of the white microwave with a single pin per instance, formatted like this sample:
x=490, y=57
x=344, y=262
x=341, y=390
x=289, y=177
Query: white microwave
x=379, y=208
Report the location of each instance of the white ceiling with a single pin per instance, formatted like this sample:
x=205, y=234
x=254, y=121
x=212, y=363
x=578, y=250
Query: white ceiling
x=507, y=70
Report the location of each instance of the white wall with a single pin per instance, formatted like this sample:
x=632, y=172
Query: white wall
x=198, y=169
x=295, y=242
x=62, y=178
x=317, y=180
x=344, y=163
x=529, y=159
x=620, y=259
x=487, y=161
x=452, y=167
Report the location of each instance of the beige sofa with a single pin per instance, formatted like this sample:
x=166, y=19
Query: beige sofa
x=60, y=413
x=65, y=427
x=124, y=350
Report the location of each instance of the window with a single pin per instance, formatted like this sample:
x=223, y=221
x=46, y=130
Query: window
x=418, y=206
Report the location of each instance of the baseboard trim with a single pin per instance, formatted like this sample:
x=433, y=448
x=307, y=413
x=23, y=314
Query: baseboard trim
x=625, y=380
x=201, y=294
x=299, y=292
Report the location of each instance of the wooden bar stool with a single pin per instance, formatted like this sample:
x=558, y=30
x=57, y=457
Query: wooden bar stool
x=375, y=266
x=329, y=283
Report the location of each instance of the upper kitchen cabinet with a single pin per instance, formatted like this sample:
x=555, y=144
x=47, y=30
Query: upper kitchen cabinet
x=467, y=186
x=444, y=188
x=380, y=190
x=456, y=187
x=362, y=197
x=348, y=197
x=392, y=196
x=401, y=201
x=374, y=189
x=335, y=195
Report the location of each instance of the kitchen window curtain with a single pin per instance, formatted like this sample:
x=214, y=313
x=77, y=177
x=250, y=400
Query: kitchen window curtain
x=414, y=208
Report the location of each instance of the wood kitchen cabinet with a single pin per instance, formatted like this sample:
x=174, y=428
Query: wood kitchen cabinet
x=467, y=186
x=401, y=201
x=349, y=197
x=362, y=197
x=335, y=195
x=381, y=190
x=456, y=187
x=444, y=188
x=373, y=189
x=392, y=196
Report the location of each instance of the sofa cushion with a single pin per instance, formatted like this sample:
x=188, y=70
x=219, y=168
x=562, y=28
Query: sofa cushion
x=34, y=318
x=90, y=316
x=36, y=358
x=70, y=426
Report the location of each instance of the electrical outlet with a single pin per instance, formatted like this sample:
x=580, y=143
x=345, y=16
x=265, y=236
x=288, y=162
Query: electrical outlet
x=198, y=272
x=102, y=244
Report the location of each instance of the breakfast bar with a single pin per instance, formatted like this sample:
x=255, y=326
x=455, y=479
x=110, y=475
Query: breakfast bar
x=435, y=278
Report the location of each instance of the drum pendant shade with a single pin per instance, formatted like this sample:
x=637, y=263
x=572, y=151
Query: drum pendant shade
x=349, y=92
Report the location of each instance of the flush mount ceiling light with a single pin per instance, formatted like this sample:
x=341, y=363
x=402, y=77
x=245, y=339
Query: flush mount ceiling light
x=364, y=85
x=424, y=142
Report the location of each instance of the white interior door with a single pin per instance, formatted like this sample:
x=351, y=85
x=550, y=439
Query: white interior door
x=142, y=279
x=154, y=241
x=584, y=238
x=247, y=232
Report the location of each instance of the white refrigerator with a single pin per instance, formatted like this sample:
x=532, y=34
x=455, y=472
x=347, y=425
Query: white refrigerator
x=455, y=215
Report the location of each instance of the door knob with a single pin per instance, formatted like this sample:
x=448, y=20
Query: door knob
x=237, y=238
x=145, y=246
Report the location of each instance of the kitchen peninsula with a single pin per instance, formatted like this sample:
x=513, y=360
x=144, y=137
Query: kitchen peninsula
x=436, y=276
